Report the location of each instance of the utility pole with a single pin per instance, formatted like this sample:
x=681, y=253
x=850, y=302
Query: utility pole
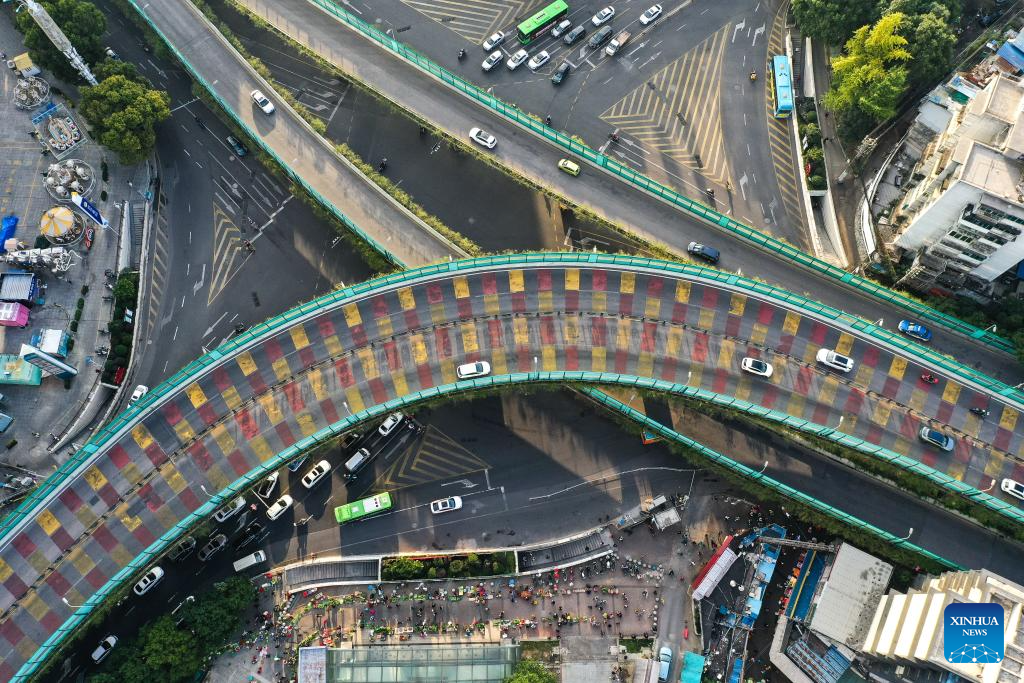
x=57, y=37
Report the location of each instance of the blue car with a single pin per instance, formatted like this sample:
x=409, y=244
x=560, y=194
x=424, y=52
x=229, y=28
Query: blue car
x=915, y=331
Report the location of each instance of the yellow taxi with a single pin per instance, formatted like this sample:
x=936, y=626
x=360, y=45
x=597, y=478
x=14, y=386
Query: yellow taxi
x=569, y=166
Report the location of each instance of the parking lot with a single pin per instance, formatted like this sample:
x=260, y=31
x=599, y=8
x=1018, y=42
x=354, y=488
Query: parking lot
x=678, y=93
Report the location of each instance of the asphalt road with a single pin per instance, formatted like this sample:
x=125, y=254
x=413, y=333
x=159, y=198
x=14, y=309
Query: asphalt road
x=203, y=282
x=600, y=192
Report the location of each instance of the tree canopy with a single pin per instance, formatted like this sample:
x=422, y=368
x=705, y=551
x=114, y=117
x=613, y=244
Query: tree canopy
x=833, y=21
x=870, y=77
x=531, y=671
x=124, y=114
x=932, y=42
x=81, y=22
x=118, y=67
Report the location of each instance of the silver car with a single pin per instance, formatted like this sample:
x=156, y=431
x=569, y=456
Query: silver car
x=493, y=60
x=494, y=41
x=516, y=60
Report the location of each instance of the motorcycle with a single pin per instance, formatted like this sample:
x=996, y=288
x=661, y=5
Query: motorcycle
x=928, y=378
x=980, y=412
x=462, y=54
x=382, y=165
x=753, y=75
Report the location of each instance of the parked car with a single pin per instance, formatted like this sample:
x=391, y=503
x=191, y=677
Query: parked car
x=569, y=166
x=230, y=510
x=600, y=38
x=652, y=13
x=574, y=36
x=280, y=506
x=915, y=331
x=539, y=60
x=665, y=663
x=237, y=146
x=704, y=252
x=1014, y=488
x=251, y=533
x=262, y=101
x=618, y=42
x=756, y=366
x=560, y=73
x=139, y=392
x=493, y=60
x=296, y=465
x=104, y=648
x=446, y=504
x=319, y=471
x=267, y=486
x=182, y=549
x=483, y=138
x=151, y=579
x=604, y=16
x=494, y=41
x=563, y=26
x=471, y=370
x=933, y=437
x=517, y=59
x=212, y=546
x=388, y=425
x=834, y=360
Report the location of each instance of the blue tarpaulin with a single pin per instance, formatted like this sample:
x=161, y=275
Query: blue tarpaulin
x=7, y=228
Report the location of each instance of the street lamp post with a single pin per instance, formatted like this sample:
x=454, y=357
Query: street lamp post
x=907, y=537
x=764, y=467
x=65, y=601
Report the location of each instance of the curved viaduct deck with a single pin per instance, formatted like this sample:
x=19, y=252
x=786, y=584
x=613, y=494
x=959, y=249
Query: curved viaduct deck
x=267, y=393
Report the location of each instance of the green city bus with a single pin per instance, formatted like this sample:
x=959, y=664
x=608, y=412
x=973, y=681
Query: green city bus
x=542, y=21
x=363, y=508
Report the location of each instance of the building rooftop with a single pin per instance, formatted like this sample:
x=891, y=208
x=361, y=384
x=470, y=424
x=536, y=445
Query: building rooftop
x=988, y=169
x=855, y=584
x=1005, y=99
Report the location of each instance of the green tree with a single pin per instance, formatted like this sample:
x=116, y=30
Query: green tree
x=931, y=42
x=914, y=7
x=531, y=671
x=217, y=615
x=118, y=67
x=402, y=568
x=833, y=21
x=124, y=114
x=456, y=567
x=870, y=77
x=81, y=22
x=168, y=651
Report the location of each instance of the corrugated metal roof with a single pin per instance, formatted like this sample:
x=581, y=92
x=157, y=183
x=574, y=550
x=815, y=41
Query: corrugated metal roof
x=16, y=286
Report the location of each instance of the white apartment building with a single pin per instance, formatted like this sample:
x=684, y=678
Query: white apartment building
x=964, y=211
x=907, y=628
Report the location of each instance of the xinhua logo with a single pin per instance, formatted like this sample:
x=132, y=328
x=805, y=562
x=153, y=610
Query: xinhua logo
x=973, y=633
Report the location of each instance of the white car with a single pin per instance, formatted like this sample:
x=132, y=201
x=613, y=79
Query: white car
x=539, y=60
x=446, y=505
x=279, y=507
x=262, y=101
x=471, y=370
x=230, y=510
x=604, y=16
x=139, y=392
x=388, y=425
x=151, y=579
x=756, y=366
x=665, y=663
x=517, y=59
x=104, y=648
x=562, y=27
x=834, y=360
x=493, y=60
x=652, y=13
x=319, y=471
x=483, y=138
x=1014, y=488
x=494, y=41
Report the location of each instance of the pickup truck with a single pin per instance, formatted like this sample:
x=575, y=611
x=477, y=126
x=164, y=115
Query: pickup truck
x=617, y=43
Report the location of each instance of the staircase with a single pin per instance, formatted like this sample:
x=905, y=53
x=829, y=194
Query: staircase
x=590, y=546
x=137, y=217
x=331, y=574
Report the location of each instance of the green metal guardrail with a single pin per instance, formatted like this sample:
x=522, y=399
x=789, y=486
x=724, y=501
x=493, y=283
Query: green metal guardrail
x=777, y=486
x=745, y=232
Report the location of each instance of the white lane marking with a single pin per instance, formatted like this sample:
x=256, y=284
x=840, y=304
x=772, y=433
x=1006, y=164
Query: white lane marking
x=737, y=28
x=202, y=279
x=758, y=32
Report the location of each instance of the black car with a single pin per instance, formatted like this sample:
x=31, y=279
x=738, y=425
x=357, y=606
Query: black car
x=704, y=252
x=574, y=36
x=600, y=38
x=250, y=534
x=560, y=73
x=182, y=549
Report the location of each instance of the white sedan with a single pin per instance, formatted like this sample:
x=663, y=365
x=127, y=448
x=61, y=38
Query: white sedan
x=446, y=505
x=262, y=101
x=493, y=60
x=652, y=13
x=539, y=60
x=494, y=41
x=483, y=138
x=756, y=366
x=279, y=507
x=516, y=60
x=151, y=579
x=471, y=370
x=319, y=471
x=604, y=16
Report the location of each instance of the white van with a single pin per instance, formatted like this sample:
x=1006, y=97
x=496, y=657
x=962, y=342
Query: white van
x=361, y=457
x=249, y=560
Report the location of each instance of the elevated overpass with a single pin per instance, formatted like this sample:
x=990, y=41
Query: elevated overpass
x=355, y=354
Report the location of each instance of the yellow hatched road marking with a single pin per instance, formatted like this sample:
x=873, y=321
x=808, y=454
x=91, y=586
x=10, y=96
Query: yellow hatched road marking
x=758, y=333
x=599, y=301
x=973, y=425
x=826, y=393
x=196, y=395
x=737, y=304
x=34, y=605
x=352, y=317
x=142, y=437
x=696, y=376
x=627, y=282
x=333, y=345
x=224, y=440
x=547, y=359
x=131, y=523
x=571, y=331
x=844, y=344
x=917, y=400
x=261, y=448
x=384, y=327
x=355, y=400
x=791, y=324
x=725, y=354
x=281, y=369
x=82, y=562
x=545, y=301
x=572, y=279
x=994, y=464
x=955, y=469
x=231, y=398
x=742, y=391
x=299, y=338
x=174, y=480
x=368, y=362
x=406, y=299
x=597, y=359
x=469, y=341
x=796, y=404
x=184, y=431
x=48, y=522
x=6, y=571
x=270, y=408
x=1008, y=420
x=706, y=319
x=437, y=314
x=419, y=349
x=246, y=363
x=623, y=335
x=317, y=384
x=863, y=376
x=461, y=287
x=306, y=423
x=951, y=392
x=898, y=367
x=515, y=280
x=520, y=332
